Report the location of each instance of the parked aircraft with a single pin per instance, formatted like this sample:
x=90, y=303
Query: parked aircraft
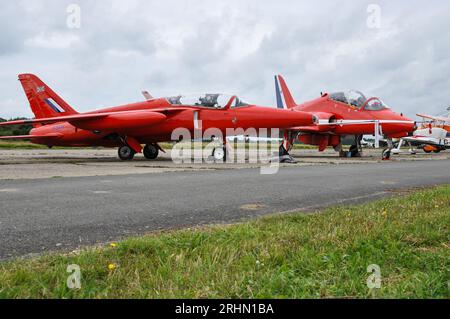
x=128, y=126
x=432, y=136
x=342, y=114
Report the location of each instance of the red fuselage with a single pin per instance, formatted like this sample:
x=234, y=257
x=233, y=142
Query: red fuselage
x=248, y=116
x=328, y=109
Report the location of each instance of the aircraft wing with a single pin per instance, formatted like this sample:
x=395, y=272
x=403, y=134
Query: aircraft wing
x=435, y=118
x=74, y=119
x=325, y=125
x=359, y=122
x=108, y=121
x=308, y=129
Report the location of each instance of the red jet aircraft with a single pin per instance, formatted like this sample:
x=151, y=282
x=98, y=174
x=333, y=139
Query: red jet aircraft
x=129, y=126
x=342, y=114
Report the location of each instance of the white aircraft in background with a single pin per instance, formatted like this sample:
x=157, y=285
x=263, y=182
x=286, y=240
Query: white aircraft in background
x=433, y=135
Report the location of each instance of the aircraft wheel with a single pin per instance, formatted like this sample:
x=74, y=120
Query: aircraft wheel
x=437, y=151
x=126, y=153
x=427, y=151
x=151, y=152
x=354, y=151
x=283, y=151
x=220, y=154
x=386, y=154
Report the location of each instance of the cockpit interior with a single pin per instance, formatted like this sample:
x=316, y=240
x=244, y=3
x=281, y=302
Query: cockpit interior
x=358, y=100
x=215, y=101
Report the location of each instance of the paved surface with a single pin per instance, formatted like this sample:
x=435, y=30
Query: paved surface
x=38, y=215
x=43, y=163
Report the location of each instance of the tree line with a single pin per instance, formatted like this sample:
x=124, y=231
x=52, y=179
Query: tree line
x=16, y=129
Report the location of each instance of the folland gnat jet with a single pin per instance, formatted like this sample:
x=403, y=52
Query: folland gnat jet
x=129, y=126
x=339, y=115
x=432, y=136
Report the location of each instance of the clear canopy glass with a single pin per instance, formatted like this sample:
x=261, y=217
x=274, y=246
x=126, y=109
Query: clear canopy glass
x=375, y=104
x=358, y=100
x=351, y=97
x=216, y=101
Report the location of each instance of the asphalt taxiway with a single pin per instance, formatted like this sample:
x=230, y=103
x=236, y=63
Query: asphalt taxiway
x=62, y=209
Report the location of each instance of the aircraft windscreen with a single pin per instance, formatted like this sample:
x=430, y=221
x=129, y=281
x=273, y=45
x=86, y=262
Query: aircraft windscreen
x=375, y=104
x=354, y=98
x=216, y=101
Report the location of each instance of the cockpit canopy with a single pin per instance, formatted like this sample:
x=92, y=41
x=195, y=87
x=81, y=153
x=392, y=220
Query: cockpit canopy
x=216, y=101
x=358, y=100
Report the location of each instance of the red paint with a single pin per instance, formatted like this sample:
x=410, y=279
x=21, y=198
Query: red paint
x=146, y=122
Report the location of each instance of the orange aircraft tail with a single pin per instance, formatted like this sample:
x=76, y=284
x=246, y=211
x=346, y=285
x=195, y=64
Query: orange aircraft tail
x=44, y=102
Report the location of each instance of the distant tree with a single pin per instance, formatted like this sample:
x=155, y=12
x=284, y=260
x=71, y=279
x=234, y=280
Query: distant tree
x=16, y=129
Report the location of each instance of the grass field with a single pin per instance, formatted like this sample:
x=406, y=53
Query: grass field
x=11, y=145
x=282, y=256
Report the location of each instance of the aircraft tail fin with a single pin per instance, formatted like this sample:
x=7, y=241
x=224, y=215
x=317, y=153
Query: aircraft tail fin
x=281, y=87
x=280, y=104
x=44, y=102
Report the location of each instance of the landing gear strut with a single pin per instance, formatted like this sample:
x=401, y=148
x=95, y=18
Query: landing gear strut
x=355, y=150
x=285, y=157
x=126, y=153
x=286, y=147
x=387, y=151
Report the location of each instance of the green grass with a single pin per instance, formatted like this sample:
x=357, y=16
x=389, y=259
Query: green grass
x=11, y=145
x=283, y=256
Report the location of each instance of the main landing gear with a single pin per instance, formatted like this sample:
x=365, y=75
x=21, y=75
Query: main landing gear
x=355, y=150
x=126, y=153
x=285, y=157
x=150, y=151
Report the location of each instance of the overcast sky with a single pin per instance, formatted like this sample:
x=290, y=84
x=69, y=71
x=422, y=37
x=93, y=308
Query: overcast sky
x=233, y=46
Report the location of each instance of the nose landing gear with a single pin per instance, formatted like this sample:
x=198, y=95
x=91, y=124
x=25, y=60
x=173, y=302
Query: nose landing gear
x=387, y=151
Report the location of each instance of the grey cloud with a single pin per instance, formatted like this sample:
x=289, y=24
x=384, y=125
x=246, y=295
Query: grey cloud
x=234, y=46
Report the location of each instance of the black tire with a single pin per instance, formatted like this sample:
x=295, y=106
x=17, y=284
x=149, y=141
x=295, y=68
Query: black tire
x=126, y=153
x=386, y=154
x=437, y=151
x=354, y=151
x=151, y=151
x=282, y=151
x=427, y=151
x=342, y=153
